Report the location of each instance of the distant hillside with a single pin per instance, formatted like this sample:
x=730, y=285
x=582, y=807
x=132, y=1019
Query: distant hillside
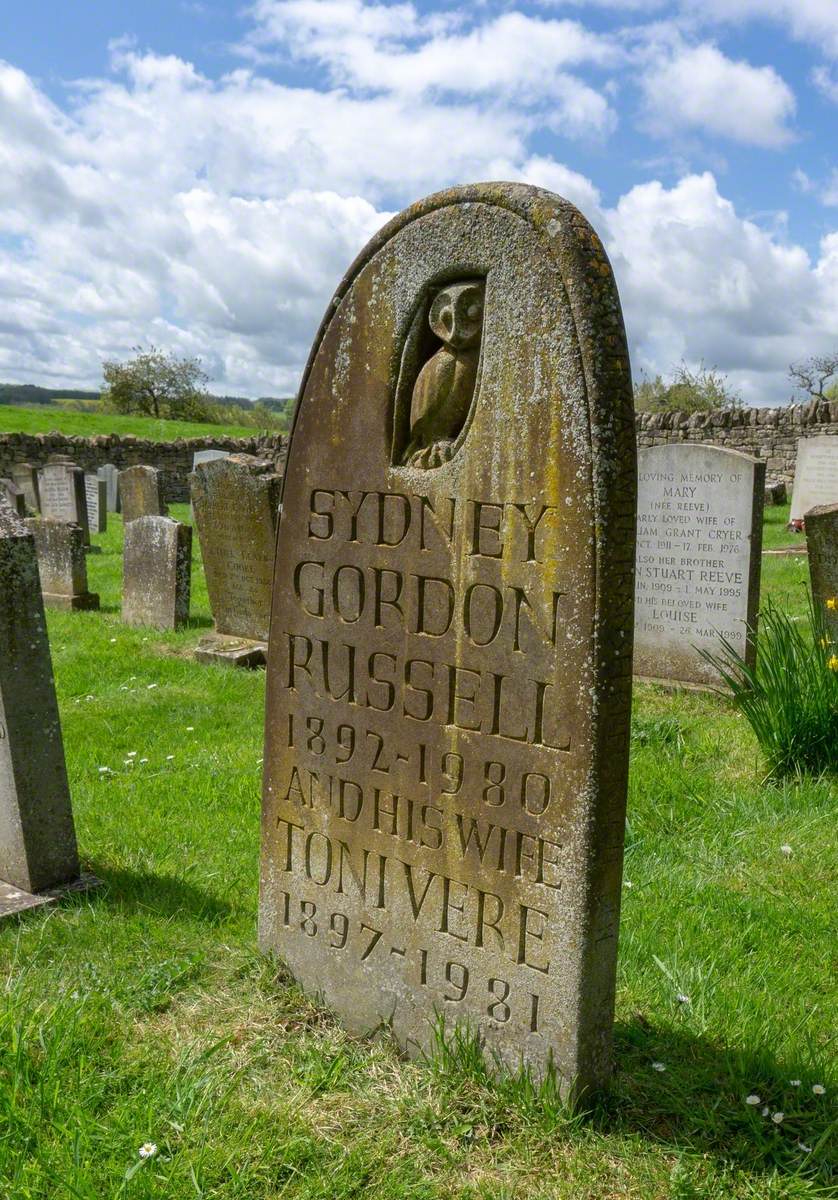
x=28, y=393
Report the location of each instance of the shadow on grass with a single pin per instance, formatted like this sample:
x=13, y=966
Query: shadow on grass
x=166, y=895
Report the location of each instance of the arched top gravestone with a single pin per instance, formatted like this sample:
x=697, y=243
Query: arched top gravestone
x=449, y=670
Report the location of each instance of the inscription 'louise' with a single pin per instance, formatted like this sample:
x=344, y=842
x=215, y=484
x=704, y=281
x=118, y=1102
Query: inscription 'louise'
x=448, y=685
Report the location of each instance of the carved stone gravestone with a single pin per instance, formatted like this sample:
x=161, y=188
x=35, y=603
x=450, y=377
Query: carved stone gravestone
x=13, y=496
x=822, y=540
x=815, y=475
x=699, y=538
x=110, y=474
x=63, y=496
x=37, y=837
x=157, y=571
x=26, y=478
x=449, y=675
x=62, y=564
x=236, y=505
x=203, y=456
x=140, y=493
x=96, y=492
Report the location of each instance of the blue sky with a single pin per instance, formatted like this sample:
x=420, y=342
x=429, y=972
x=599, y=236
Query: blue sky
x=199, y=174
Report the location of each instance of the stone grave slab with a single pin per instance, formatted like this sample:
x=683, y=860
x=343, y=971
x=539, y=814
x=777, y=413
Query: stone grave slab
x=13, y=496
x=140, y=493
x=203, y=456
x=815, y=475
x=449, y=673
x=26, y=478
x=63, y=495
x=236, y=505
x=822, y=541
x=110, y=474
x=699, y=537
x=62, y=564
x=96, y=493
x=157, y=570
x=37, y=836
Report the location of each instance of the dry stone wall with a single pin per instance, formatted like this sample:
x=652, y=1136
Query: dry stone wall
x=172, y=459
x=769, y=434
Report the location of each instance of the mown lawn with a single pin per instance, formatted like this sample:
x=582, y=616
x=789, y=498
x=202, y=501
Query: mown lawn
x=47, y=419
x=142, y=1013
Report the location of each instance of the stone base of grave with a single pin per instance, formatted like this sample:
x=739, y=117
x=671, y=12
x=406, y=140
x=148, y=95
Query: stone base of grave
x=231, y=651
x=83, y=601
x=15, y=900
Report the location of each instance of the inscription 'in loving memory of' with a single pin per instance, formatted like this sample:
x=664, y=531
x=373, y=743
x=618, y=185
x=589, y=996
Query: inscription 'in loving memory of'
x=375, y=633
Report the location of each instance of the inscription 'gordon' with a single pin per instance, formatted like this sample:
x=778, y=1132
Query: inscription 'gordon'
x=447, y=693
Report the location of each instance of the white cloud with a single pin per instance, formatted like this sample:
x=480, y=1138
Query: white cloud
x=814, y=21
x=698, y=87
x=829, y=195
x=826, y=83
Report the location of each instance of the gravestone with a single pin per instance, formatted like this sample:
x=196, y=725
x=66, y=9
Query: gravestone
x=157, y=569
x=110, y=474
x=236, y=505
x=62, y=564
x=699, y=538
x=449, y=673
x=62, y=493
x=140, y=493
x=37, y=837
x=822, y=541
x=202, y=456
x=26, y=478
x=815, y=475
x=13, y=496
x=96, y=493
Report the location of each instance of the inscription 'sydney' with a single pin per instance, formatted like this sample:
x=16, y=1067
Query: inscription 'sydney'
x=448, y=686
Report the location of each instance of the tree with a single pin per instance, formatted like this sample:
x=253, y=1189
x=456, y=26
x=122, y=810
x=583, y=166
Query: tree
x=688, y=391
x=812, y=374
x=158, y=384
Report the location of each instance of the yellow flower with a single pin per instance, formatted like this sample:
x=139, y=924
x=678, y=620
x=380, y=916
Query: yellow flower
x=832, y=603
x=832, y=662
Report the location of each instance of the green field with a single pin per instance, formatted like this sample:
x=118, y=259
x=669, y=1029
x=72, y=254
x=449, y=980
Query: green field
x=143, y=1013
x=48, y=419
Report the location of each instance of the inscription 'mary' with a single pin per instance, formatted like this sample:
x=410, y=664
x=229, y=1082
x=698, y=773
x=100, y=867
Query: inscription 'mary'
x=450, y=660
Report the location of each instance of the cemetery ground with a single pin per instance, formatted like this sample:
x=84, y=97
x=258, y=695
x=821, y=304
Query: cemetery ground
x=141, y=1015
x=51, y=419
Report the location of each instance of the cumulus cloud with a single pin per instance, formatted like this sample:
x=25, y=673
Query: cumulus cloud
x=814, y=21
x=699, y=88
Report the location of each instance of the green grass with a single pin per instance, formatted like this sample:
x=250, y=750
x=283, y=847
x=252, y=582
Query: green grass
x=45, y=419
x=143, y=1012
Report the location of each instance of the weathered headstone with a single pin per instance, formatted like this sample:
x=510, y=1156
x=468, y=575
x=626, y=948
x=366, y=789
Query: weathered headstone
x=63, y=496
x=96, y=492
x=822, y=541
x=202, y=456
x=62, y=564
x=140, y=493
x=449, y=675
x=110, y=474
x=699, y=537
x=37, y=837
x=157, y=569
x=815, y=475
x=13, y=496
x=26, y=478
x=236, y=505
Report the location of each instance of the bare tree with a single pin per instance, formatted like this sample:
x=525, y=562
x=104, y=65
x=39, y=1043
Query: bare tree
x=812, y=374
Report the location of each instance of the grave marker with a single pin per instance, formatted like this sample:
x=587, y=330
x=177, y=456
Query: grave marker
x=37, y=837
x=26, y=478
x=62, y=564
x=449, y=675
x=157, y=568
x=110, y=474
x=63, y=496
x=699, y=537
x=96, y=494
x=202, y=456
x=815, y=475
x=140, y=493
x=13, y=496
x=236, y=505
x=822, y=541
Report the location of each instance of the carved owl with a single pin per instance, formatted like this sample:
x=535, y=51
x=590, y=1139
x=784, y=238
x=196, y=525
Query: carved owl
x=444, y=388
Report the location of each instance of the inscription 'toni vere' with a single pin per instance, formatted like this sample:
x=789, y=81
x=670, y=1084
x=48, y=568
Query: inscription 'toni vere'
x=450, y=658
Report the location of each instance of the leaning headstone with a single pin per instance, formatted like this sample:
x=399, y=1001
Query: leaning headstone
x=26, y=478
x=815, y=475
x=449, y=674
x=62, y=564
x=96, y=491
x=37, y=837
x=13, y=496
x=140, y=493
x=110, y=474
x=157, y=568
x=699, y=537
x=202, y=456
x=236, y=505
x=822, y=541
x=63, y=496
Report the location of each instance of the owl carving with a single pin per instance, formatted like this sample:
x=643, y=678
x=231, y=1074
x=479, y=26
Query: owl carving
x=444, y=388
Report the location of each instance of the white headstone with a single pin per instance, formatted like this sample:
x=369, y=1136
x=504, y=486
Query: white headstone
x=815, y=474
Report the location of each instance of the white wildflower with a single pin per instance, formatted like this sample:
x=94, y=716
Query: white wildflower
x=131, y=753
x=778, y=1118
x=103, y=770
x=786, y=850
x=806, y=1149
x=658, y=1066
x=752, y=1099
x=818, y=1089
x=765, y=1110
x=682, y=999
x=169, y=757
x=147, y=1150
x=151, y=685
x=143, y=760
x=627, y=883
x=113, y=639
x=794, y=1082
x=190, y=728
